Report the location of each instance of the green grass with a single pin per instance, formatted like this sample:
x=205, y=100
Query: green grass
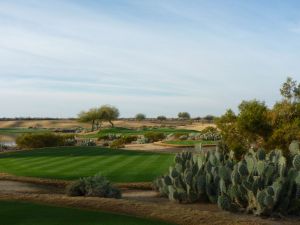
x=189, y=142
x=127, y=131
x=21, y=213
x=15, y=131
x=75, y=162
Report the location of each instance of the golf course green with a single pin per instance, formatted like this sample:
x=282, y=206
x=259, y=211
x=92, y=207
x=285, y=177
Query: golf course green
x=74, y=162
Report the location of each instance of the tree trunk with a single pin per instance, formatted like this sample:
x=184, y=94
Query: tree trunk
x=93, y=122
x=111, y=123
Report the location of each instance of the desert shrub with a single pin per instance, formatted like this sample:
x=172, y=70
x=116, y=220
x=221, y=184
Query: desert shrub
x=261, y=183
x=41, y=140
x=94, y=186
x=87, y=143
x=184, y=115
x=142, y=140
x=69, y=140
x=161, y=118
x=209, y=129
x=104, y=137
x=129, y=139
x=122, y=141
x=118, y=143
x=140, y=116
x=109, y=137
x=178, y=135
x=154, y=136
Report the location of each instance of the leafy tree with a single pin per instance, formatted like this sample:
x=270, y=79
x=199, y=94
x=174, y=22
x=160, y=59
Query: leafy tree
x=92, y=115
x=290, y=90
x=257, y=126
x=97, y=115
x=231, y=135
x=108, y=113
x=140, y=116
x=253, y=119
x=161, y=118
x=209, y=118
x=184, y=115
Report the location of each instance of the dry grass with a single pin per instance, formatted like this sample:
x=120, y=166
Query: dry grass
x=119, y=123
x=42, y=124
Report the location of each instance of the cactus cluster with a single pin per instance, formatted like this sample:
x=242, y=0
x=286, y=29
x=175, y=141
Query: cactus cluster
x=195, y=177
x=260, y=183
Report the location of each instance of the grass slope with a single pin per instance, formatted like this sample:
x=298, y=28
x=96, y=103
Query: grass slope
x=15, y=131
x=127, y=131
x=20, y=213
x=74, y=162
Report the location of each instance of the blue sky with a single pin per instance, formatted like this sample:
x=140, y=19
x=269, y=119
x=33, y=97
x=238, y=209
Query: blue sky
x=58, y=57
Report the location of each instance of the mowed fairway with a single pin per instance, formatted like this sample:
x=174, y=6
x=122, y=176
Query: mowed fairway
x=75, y=162
x=19, y=213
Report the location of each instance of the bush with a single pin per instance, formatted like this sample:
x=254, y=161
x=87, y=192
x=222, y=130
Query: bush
x=41, y=140
x=121, y=142
x=154, y=136
x=161, y=118
x=88, y=143
x=109, y=137
x=142, y=140
x=140, y=116
x=95, y=186
x=178, y=135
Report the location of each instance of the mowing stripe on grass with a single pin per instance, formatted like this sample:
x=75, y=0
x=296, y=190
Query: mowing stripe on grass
x=74, y=162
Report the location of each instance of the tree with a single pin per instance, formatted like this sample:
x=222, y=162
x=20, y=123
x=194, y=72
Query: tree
x=258, y=126
x=209, y=118
x=140, y=116
x=253, y=119
x=108, y=113
x=231, y=135
x=290, y=90
x=161, y=118
x=184, y=115
x=97, y=115
x=92, y=115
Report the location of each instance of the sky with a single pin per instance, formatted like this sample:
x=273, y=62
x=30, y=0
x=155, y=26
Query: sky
x=158, y=57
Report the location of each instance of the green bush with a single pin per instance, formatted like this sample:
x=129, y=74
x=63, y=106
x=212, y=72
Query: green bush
x=154, y=136
x=41, y=140
x=95, y=186
x=122, y=141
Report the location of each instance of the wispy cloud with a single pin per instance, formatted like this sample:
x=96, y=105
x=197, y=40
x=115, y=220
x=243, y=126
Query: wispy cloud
x=152, y=56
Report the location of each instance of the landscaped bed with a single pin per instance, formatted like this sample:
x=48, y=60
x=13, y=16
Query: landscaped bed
x=127, y=131
x=188, y=143
x=21, y=213
x=75, y=162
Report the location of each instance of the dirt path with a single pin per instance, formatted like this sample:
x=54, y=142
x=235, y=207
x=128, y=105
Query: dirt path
x=136, y=202
x=151, y=147
x=22, y=187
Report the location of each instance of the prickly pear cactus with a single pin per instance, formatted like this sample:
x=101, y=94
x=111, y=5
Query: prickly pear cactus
x=260, y=183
